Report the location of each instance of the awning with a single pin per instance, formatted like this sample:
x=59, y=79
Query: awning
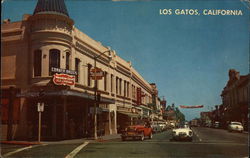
x=129, y=114
x=144, y=107
x=32, y=94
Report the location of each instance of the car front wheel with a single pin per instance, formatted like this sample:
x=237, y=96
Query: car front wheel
x=142, y=137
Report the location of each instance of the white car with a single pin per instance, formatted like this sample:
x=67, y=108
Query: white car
x=235, y=126
x=182, y=133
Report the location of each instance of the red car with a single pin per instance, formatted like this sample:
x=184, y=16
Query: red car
x=137, y=132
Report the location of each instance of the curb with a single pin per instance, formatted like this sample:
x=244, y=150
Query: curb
x=20, y=143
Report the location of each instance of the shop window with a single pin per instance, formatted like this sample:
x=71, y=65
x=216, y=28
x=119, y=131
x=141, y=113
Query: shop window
x=37, y=62
x=54, y=59
x=67, y=60
x=77, y=63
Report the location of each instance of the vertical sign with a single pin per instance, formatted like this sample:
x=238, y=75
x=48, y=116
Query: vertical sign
x=138, y=96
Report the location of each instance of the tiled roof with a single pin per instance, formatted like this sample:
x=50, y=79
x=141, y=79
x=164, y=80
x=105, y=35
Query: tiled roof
x=51, y=6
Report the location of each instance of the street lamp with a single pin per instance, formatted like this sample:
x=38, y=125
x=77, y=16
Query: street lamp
x=95, y=90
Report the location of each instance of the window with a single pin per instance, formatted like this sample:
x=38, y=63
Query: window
x=54, y=59
x=105, y=80
x=116, y=84
x=124, y=89
x=111, y=82
x=89, y=79
x=67, y=60
x=127, y=89
x=120, y=86
x=37, y=62
x=77, y=63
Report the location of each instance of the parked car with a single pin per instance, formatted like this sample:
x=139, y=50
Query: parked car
x=182, y=133
x=235, y=126
x=137, y=132
x=156, y=127
x=216, y=124
x=163, y=126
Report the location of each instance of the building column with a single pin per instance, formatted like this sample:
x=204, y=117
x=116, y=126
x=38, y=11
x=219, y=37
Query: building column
x=115, y=122
x=64, y=117
x=109, y=118
x=54, y=126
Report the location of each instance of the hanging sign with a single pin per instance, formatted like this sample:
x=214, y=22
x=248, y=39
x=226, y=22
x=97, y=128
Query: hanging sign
x=64, y=79
x=191, y=107
x=96, y=73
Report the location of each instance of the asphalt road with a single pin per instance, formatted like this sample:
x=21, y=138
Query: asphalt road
x=207, y=142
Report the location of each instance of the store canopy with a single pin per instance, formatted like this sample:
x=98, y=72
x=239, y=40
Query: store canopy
x=68, y=93
x=129, y=114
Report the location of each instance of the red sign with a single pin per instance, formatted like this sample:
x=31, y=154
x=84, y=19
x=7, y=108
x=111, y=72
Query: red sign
x=195, y=106
x=64, y=79
x=139, y=95
x=96, y=73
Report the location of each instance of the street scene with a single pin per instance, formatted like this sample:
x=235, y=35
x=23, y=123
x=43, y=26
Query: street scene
x=207, y=142
x=124, y=79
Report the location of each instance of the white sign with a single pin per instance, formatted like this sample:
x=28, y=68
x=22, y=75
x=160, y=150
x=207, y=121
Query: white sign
x=40, y=107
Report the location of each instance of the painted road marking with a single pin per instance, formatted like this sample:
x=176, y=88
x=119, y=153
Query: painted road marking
x=76, y=150
x=197, y=136
x=21, y=149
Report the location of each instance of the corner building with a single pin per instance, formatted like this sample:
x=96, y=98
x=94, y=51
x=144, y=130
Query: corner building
x=46, y=44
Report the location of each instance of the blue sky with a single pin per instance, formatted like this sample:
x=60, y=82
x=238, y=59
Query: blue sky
x=188, y=57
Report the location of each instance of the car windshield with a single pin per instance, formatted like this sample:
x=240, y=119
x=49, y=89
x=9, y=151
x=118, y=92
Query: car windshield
x=236, y=123
x=130, y=129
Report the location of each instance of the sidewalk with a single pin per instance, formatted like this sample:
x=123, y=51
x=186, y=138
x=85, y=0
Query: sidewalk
x=71, y=141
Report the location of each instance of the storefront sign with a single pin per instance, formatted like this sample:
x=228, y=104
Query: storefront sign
x=63, y=71
x=64, y=79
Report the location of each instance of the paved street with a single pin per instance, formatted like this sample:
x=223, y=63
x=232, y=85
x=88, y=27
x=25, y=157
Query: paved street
x=207, y=142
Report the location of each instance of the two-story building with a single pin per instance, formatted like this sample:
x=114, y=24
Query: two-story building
x=235, y=99
x=47, y=61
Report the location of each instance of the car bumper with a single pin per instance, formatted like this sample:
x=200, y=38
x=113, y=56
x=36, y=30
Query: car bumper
x=182, y=137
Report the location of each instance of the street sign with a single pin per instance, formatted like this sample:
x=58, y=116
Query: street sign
x=40, y=107
x=96, y=73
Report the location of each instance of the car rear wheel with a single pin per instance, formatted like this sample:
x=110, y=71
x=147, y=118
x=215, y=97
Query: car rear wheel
x=123, y=138
x=150, y=136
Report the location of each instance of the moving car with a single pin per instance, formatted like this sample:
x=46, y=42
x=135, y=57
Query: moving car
x=137, y=132
x=156, y=127
x=235, y=126
x=182, y=133
x=216, y=124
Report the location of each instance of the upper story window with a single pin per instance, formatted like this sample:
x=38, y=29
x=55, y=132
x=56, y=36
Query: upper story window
x=77, y=66
x=105, y=81
x=111, y=82
x=67, y=60
x=54, y=59
x=37, y=62
x=89, y=79
x=116, y=85
x=124, y=89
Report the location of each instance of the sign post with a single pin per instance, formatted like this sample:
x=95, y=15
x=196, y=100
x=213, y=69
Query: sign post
x=40, y=109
